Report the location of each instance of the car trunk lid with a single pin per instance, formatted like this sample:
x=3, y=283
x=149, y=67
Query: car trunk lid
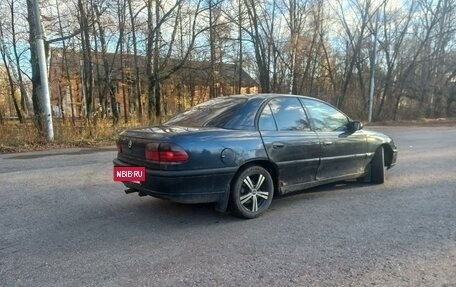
x=132, y=143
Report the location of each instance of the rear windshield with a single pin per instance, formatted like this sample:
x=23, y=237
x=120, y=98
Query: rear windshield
x=213, y=113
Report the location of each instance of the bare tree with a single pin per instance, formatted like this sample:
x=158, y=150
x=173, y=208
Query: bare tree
x=438, y=57
x=214, y=16
x=87, y=65
x=133, y=16
x=354, y=40
x=395, y=26
x=17, y=58
x=108, y=87
x=419, y=49
x=65, y=64
x=6, y=61
x=159, y=50
x=297, y=15
x=296, y=46
x=260, y=30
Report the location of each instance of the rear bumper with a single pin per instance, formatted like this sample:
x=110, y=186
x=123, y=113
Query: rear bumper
x=195, y=186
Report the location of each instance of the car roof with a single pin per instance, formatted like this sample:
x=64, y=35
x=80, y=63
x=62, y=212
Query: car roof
x=265, y=96
x=268, y=96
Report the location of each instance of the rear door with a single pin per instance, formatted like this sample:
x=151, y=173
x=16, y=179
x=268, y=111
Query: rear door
x=343, y=152
x=289, y=141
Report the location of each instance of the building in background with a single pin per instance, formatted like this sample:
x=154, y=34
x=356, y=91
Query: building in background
x=186, y=87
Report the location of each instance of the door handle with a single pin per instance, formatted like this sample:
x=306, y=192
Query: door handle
x=327, y=143
x=278, y=145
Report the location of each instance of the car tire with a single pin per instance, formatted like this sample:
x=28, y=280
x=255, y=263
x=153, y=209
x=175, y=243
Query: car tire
x=378, y=169
x=251, y=192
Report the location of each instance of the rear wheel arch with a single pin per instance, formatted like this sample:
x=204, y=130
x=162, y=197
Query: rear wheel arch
x=267, y=165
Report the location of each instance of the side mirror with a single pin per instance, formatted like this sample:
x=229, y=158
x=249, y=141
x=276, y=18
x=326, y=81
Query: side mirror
x=355, y=125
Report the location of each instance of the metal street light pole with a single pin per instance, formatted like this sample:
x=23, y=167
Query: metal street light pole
x=45, y=100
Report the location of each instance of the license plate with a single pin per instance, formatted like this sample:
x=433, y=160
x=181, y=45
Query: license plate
x=134, y=174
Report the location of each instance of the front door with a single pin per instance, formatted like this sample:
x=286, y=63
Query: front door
x=343, y=151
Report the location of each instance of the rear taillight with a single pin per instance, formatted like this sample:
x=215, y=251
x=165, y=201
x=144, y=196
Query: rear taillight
x=165, y=152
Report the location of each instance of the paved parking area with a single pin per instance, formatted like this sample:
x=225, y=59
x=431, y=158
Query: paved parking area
x=64, y=222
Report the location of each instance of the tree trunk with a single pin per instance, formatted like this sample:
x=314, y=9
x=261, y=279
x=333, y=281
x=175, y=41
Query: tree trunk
x=87, y=56
x=22, y=89
x=126, y=102
x=13, y=92
x=65, y=66
x=136, y=66
x=157, y=92
x=156, y=59
x=213, y=60
x=239, y=86
x=262, y=56
x=108, y=87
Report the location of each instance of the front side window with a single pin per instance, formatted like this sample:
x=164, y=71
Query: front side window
x=288, y=113
x=325, y=117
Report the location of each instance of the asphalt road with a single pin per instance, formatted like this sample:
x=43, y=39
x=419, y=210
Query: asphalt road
x=64, y=222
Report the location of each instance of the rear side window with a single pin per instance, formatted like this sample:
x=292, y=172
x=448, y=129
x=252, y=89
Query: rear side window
x=213, y=113
x=285, y=114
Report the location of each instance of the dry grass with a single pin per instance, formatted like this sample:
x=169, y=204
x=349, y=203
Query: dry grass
x=18, y=137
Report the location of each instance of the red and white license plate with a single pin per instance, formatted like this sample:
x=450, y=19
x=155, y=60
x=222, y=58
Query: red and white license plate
x=130, y=173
